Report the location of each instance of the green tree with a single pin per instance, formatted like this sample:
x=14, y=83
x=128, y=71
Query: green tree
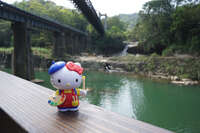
x=163, y=23
x=186, y=26
x=112, y=41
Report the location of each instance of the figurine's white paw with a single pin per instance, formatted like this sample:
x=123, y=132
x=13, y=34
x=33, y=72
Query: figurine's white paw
x=83, y=92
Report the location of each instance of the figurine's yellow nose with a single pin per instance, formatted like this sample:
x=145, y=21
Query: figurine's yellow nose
x=68, y=85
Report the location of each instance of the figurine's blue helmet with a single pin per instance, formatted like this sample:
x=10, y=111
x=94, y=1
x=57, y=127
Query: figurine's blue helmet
x=56, y=66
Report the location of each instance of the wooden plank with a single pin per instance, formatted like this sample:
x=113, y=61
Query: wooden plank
x=26, y=103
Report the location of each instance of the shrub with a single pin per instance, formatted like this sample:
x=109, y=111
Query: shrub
x=184, y=76
x=154, y=55
x=167, y=52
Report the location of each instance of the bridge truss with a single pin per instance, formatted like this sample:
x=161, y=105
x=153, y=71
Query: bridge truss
x=89, y=12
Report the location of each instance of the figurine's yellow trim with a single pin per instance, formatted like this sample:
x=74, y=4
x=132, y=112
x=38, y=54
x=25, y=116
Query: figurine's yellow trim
x=78, y=91
x=75, y=101
x=67, y=91
x=57, y=92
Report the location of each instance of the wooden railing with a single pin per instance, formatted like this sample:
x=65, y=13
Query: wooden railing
x=24, y=108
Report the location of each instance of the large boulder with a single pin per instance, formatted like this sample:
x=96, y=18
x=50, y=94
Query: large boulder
x=135, y=48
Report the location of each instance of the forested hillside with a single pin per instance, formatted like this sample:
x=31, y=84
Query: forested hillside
x=129, y=19
x=169, y=26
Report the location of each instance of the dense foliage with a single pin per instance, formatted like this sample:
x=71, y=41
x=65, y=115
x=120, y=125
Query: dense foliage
x=112, y=41
x=169, y=26
x=129, y=19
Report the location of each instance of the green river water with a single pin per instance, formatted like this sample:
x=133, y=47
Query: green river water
x=166, y=105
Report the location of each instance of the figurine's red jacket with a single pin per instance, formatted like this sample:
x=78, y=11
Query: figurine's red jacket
x=71, y=100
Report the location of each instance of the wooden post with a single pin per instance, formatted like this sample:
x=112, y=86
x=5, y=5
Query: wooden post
x=22, y=51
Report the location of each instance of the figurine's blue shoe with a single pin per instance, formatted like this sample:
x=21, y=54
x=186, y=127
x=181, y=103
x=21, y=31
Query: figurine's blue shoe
x=68, y=109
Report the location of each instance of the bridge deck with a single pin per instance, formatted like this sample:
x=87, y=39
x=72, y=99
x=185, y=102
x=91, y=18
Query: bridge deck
x=14, y=14
x=26, y=104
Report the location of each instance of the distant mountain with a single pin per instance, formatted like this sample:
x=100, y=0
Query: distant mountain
x=130, y=19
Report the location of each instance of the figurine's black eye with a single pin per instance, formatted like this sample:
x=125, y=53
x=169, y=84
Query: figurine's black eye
x=59, y=81
x=76, y=80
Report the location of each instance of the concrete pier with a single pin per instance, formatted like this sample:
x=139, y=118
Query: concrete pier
x=22, y=63
x=59, y=44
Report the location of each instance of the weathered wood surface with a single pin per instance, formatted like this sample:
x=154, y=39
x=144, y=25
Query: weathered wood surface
x=26, y=103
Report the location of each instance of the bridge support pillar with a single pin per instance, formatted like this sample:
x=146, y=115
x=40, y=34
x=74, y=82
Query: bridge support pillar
x=31, y=59
x=86, y=43
x=22, y=59
x=83, y=44
x=72, y=43
x=59, y=44
x=68, y=43
x=80, y=44
x=77, y=46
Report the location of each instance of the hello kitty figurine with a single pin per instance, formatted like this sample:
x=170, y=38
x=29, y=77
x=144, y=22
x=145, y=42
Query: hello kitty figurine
x=66, y=77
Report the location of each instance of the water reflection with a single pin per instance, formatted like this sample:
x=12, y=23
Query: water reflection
x=116, y=93
x=162, y=104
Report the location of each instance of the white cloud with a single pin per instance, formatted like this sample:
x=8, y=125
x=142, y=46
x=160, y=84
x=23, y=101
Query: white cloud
x=110, y=7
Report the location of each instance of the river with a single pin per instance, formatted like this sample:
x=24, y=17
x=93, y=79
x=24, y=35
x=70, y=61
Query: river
x=166, y=105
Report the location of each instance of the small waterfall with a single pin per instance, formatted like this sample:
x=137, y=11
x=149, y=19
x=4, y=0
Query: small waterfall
x=124, y=52
x=129, y=45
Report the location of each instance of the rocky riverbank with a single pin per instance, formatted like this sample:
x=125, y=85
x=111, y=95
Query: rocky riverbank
x=184, y=70
x=178, y=70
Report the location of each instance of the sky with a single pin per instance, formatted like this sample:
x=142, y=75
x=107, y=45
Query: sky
x=110, y=7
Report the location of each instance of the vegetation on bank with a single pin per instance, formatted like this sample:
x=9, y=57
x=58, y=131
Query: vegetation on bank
x=6, y=50
x=42, y=52
x=183, y=68
x=39, y=51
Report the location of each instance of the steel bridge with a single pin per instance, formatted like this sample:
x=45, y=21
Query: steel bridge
x=14, y=14
x=66, y=38
x=89, y=12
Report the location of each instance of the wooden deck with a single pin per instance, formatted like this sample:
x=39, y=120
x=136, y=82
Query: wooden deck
x=24, y=108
